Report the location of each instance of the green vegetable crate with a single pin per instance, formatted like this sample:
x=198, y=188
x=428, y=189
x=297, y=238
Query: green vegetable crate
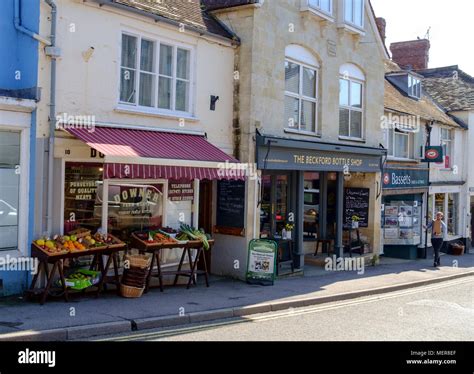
x=82, y=278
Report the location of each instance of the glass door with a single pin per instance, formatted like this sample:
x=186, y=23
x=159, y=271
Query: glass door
x=274, y=204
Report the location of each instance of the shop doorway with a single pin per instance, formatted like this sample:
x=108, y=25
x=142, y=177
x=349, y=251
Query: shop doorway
x=320, y=191
x=275, y=202
x=205, y=217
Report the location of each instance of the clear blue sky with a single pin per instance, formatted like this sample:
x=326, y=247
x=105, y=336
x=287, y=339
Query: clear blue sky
x=451, y=22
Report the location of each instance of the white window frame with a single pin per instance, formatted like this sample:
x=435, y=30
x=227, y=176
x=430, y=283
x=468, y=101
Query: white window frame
x=352, y=22
x=131, y=107
x=391, y=132
x=355, y=109
x=317, y=7
x=302, y=97
x=447, y=141
x=414, y=86
x=24, y=201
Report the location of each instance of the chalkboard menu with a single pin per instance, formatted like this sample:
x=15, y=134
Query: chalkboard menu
x=356, y=203
x=230, y=204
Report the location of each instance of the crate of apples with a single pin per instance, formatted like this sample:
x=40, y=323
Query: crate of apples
x=51, y=247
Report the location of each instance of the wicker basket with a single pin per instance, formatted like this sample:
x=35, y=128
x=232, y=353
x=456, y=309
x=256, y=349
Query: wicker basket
x=131, y=292
x=138, y=261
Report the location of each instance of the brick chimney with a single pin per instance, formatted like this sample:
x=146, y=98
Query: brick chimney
x=413, y=54
x=381, y=25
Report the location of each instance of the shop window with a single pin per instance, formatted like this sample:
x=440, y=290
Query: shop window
x=447, y=144
x=155, y=74
x=9, y=189
x=439, y=203
x=301, y=90
x=448, y=204
x=81, y=206
x=134, y=207
x=453, y=202
x=351, y=91
x=402, y=220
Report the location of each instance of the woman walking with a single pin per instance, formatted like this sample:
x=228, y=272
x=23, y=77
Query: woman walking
x=438, y=234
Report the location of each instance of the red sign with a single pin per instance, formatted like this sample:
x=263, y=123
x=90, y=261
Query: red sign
x=432, y=154
x=386, y=178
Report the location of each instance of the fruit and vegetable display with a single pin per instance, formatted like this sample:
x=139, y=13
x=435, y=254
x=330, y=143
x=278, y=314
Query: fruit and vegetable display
x=62, y=244
x=189, y=233
x=107, y=239
x=156, y=237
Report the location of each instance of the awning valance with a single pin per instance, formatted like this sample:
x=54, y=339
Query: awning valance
x=149, y=154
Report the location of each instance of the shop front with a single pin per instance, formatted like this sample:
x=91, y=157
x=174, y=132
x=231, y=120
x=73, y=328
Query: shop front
x=313, y=191
x=123, y=181
x=447, y=198
x=403, y=211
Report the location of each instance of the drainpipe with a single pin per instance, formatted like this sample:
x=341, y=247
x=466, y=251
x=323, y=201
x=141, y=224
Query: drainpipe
x=24, y=30
x=54, y=53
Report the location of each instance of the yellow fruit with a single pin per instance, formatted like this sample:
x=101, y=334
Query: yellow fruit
x=92, y=241
x=40, y=242
x=49, y=244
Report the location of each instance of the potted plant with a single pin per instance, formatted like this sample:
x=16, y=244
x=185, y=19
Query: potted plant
x=288, y=227
x=355, y=222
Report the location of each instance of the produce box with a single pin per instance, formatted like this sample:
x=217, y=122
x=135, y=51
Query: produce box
x=80, y=233
x=82, y=278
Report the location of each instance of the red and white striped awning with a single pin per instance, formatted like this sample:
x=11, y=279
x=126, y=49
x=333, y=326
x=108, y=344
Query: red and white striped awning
x=135, y=171
x=147, y=154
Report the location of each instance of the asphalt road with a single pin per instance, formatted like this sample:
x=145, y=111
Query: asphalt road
x=443, y=311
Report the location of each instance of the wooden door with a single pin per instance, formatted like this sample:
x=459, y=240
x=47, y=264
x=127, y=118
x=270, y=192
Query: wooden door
x=205, y=217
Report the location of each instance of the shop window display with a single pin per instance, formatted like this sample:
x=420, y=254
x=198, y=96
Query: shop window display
x=402, y=221
x=133, y=207
x=80, y=194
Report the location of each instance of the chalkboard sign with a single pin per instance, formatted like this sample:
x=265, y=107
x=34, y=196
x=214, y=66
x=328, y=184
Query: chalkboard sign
x=356, y=203
x=230, y=204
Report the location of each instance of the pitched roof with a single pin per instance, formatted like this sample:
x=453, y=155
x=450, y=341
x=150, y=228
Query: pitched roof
x=189, y=12
x=221, y=4
x=450, y=87
x=424, y=107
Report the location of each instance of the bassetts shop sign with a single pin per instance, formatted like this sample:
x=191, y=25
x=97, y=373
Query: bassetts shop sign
x=404, y=178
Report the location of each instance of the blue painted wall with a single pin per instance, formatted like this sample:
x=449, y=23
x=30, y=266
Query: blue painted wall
x=19, y=53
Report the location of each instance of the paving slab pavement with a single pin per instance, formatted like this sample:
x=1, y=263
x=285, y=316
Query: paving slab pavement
x=86, y=316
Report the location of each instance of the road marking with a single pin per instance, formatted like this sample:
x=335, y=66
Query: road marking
x=291, y=312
